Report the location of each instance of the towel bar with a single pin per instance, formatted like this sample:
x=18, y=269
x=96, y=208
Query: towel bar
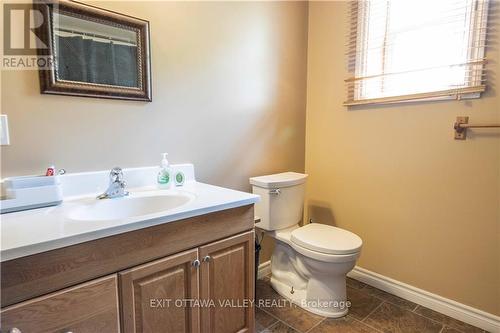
x=462, y=124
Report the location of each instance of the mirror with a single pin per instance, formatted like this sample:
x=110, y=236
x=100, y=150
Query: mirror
x=96, y=53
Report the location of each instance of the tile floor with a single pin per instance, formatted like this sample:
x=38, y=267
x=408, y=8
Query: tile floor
x=372, y=310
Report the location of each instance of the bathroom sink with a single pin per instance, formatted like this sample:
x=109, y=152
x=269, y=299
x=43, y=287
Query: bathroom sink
x=128, y=207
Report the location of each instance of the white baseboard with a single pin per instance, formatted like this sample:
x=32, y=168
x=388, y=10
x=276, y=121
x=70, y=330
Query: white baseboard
x=264, y=269
x=462, y=312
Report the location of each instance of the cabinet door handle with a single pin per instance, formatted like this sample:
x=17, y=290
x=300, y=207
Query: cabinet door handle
x=207, y=258
x=196, y=263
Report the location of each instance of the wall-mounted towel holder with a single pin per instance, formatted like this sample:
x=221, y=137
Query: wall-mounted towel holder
x=462, y=124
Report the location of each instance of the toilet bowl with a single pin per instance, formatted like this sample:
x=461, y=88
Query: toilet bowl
x=309, y=263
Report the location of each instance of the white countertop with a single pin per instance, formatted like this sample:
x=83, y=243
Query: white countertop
x=39, y=230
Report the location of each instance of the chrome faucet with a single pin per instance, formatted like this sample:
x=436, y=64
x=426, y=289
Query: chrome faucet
x=116, y=188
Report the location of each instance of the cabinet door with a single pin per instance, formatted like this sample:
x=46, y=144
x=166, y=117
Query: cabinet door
x=227, y=279
x=88, y=307
x=150, y=295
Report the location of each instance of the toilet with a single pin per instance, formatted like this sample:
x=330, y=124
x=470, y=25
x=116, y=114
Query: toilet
x=309, y=263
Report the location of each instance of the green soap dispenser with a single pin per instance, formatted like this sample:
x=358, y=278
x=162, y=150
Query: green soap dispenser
x=164, y=178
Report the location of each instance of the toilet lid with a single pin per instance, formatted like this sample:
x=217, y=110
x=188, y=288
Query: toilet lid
x=284, y=179
x=326, y=239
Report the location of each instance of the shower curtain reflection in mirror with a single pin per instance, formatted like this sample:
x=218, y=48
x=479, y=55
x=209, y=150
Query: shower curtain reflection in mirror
x=94, y=53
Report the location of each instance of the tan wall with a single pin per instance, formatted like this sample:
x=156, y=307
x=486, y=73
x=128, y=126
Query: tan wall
x=229, y=95
x=426, y=206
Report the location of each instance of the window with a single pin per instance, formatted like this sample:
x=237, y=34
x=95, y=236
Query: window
x=414, y=50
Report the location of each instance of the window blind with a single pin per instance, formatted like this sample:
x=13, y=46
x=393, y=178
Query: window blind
x=412, y=50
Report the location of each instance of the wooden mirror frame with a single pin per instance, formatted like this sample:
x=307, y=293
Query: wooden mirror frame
x=49, y=84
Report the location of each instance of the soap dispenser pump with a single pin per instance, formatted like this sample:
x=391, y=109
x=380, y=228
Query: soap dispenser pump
x=164, y=175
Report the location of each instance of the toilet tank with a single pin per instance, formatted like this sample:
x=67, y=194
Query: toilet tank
x=282, y=199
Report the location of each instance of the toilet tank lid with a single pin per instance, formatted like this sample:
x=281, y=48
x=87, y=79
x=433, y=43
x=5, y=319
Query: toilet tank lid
x=277, y=180
x=326, y=239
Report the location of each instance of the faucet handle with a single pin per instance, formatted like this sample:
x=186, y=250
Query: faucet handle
x=116, y=174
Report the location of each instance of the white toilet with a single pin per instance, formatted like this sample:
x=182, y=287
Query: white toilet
x=309, y=263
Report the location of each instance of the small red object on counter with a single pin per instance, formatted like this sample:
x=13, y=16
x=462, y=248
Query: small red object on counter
x=51, y=171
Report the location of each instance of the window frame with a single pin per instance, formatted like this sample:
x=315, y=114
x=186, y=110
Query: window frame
x=474, y=89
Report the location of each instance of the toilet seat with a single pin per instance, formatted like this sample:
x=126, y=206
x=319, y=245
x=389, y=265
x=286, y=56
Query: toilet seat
x=285, y=236
x=329, y=258
x=326, y=239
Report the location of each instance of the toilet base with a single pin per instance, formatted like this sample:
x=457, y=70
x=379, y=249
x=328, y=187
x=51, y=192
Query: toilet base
x=318, y=286
x=330, y=309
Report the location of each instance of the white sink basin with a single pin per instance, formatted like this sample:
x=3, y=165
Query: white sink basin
x=128, y=207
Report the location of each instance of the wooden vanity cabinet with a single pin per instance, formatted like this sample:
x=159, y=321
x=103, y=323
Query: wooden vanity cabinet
x=114, y=284
x=227, y=278
x=201, y=290
x=87, y=308
x=149, y=295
